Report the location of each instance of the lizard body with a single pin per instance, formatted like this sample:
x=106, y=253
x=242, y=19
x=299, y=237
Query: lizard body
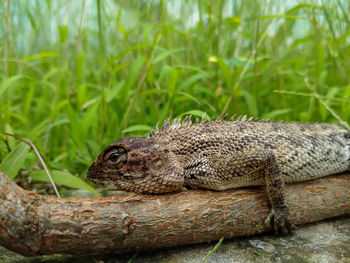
x=220, y=155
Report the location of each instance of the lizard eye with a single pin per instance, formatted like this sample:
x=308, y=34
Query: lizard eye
x=116, y=157
x=157, y=164
x=113, y=157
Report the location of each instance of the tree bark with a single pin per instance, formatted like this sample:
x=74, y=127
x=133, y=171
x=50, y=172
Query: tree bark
x=32, y=224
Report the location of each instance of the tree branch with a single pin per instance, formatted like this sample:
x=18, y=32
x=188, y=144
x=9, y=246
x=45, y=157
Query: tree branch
x=32, y=224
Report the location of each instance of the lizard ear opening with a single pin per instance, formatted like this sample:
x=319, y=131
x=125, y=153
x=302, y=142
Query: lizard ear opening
x=156, y=164
x=116, y=157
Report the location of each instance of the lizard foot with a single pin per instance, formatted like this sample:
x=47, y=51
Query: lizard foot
x=280, y=222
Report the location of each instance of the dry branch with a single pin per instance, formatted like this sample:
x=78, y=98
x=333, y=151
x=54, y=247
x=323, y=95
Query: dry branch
x=32, y=224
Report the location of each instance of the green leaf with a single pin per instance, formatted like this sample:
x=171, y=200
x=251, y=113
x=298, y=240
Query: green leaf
x=63, y=30
x=281, y=16
x=166, y=69
x=165, y=54
x=6, y=83
x=57, y=107
x=114, y=91
x=302, y=6
x=193, y=79
x=188, y=96
x=122, y=53
x=10, y=140
x=136, y=128
x=38, y=129
x=237, y=61
x=225, y=70
x=251, y=102
x=172, y=81
x=14, y=160
x=197, y=113
x=332, y=92
x=75, y=127
x=62, y=178
x=31, y=17
x=79, y=64
x=28, y=101
x=132, y=77
x=273, y=114
x=122, y=29
x=42, y=55
x=90, y=117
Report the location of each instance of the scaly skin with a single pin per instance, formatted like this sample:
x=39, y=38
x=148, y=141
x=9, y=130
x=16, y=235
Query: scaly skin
x=222, y=155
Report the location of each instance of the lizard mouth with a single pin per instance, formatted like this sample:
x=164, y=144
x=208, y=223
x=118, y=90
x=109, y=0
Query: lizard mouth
x=104, y=176
x=97, y=175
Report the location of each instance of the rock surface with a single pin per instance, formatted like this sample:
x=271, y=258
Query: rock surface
x=327, y=241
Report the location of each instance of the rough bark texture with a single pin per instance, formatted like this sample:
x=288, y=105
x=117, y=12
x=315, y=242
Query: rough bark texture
x=32, y=224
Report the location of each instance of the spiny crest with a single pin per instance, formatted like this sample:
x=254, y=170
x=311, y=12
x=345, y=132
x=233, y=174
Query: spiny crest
x=187, y=122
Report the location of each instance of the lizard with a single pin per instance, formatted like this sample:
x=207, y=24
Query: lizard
x=225, y=154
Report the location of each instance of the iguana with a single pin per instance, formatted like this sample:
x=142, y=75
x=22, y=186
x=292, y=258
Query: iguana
x=220, y=155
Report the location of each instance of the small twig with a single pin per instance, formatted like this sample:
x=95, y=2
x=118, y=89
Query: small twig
x=7, y=20
x=31, y=145
x=304, y=94
x=213, y=250
x=335, y=115
x=133, y=257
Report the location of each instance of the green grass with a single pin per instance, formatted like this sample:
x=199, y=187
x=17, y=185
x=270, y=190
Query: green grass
x=77, y=75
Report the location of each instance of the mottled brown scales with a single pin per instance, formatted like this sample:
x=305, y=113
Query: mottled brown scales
x=222, y=155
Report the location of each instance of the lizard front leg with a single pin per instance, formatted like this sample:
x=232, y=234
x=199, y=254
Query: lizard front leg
x=257, y=167
x=279, y=217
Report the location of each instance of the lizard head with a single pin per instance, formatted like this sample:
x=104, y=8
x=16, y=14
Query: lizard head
x=137, y=164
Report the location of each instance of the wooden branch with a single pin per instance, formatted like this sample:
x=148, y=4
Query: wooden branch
x=31, y=224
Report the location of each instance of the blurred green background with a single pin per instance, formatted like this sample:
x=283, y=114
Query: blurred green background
x=77, y=75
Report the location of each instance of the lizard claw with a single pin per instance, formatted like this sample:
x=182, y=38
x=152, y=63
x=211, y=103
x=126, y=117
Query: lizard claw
x=280, y=221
